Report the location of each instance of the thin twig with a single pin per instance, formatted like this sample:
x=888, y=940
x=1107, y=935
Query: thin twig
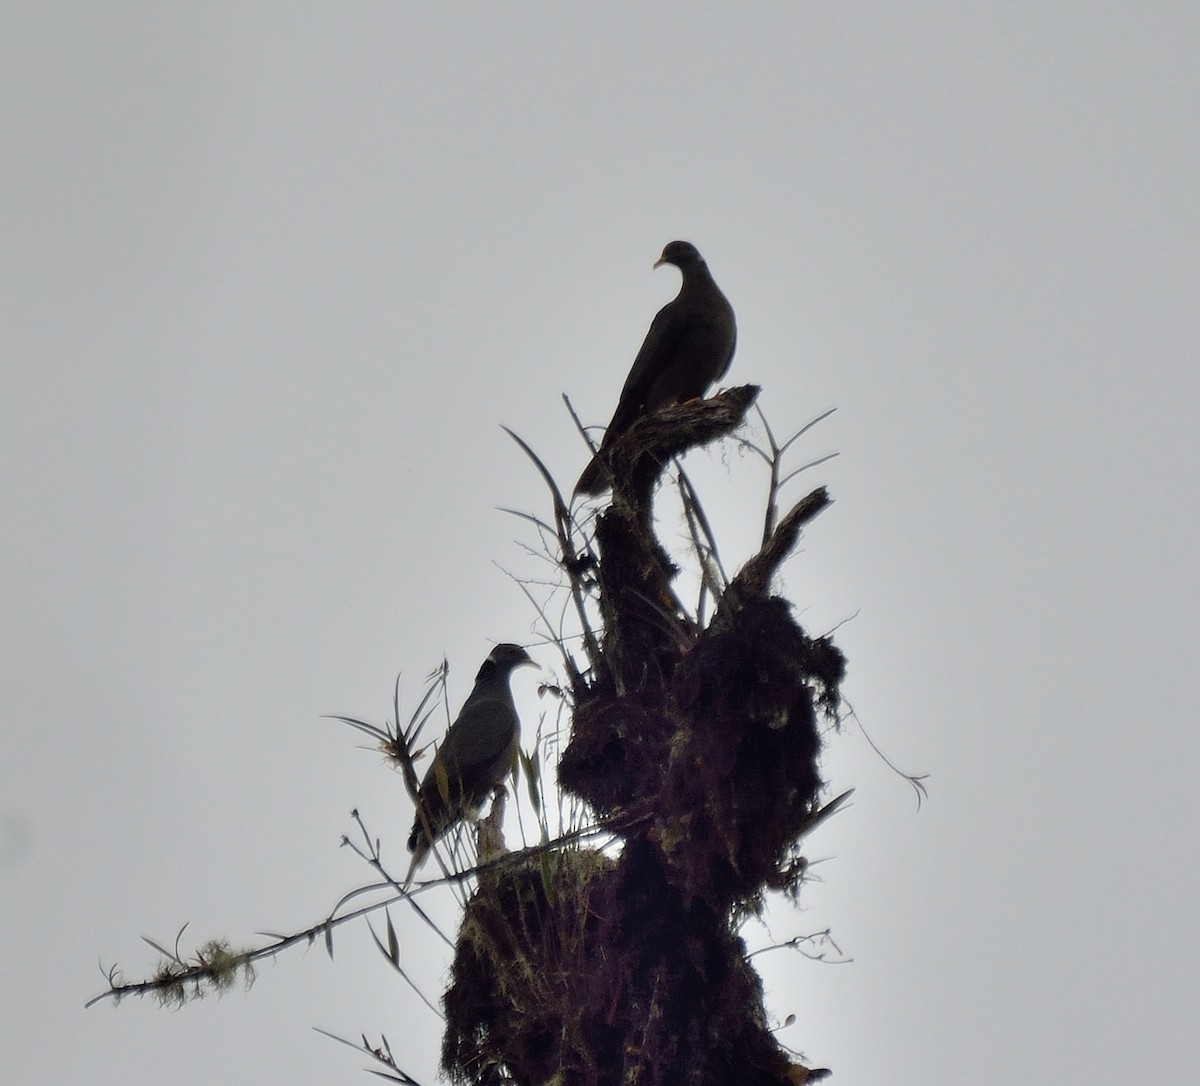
x=916, y=780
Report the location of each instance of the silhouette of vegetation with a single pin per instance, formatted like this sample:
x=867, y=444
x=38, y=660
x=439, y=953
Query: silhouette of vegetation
x=695, y=744
x=687, y=748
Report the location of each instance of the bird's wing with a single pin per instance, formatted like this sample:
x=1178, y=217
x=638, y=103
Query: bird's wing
x=732, y=349
x=472, y=757
x=480, y=736
x=658, y=350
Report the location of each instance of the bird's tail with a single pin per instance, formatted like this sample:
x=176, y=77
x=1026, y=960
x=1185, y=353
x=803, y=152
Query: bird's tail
x=595, y=479
x=419, y=853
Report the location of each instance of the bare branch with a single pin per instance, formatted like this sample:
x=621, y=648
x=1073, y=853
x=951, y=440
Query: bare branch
x=755, y=576
x=583, y=430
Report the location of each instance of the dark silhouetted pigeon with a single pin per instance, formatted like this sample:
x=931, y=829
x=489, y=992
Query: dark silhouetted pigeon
x=474, y=757
x=688, y=348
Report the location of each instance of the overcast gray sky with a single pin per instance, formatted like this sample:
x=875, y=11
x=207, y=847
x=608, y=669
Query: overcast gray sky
x=274, y=274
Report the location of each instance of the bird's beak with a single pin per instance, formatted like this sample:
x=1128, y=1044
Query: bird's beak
x=660, y=262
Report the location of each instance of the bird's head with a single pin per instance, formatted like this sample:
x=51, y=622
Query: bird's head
x=680, y=253
x=504, y=659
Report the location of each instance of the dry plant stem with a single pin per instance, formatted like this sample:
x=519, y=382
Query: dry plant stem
x=562, y=531
x=773, y=456
x=382, y=1054
x=705, y=550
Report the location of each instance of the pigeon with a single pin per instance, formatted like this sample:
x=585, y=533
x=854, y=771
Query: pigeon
x=474, y=757
x=688, y=348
